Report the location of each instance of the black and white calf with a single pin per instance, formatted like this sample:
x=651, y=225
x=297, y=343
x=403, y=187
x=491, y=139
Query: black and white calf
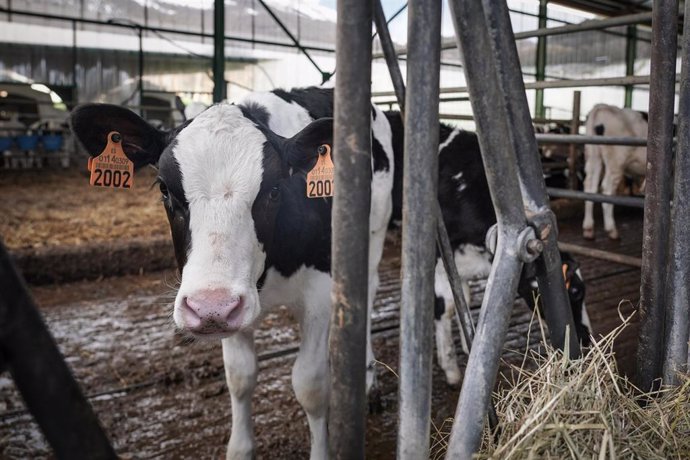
x=246, y=237
x=611, y=161
x=468, y=213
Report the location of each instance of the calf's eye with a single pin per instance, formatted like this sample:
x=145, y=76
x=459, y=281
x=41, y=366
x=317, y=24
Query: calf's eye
x=164, y=190
x=274, y=193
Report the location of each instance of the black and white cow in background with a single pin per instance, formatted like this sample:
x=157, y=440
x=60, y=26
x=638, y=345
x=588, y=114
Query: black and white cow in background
x=463, y=194
x=614, y=161
x=246, y=237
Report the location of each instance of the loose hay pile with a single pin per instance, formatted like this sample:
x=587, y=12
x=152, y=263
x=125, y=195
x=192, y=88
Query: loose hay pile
x=560, y=408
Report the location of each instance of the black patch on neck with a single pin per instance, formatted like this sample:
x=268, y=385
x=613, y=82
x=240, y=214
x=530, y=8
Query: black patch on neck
x=294, y=230
x=381, y=162
x=255, y=112
x=318, y=102
x=645, y=115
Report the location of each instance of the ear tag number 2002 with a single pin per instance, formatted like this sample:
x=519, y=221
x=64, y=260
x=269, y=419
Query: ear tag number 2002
x=112, y=168
x=320, y=178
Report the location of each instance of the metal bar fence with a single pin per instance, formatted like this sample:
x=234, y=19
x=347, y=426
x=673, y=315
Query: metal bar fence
x=557, y=311
x=678, y=272
x=500, y=163
x=41, y=375
x=350, y=223
x=442, y=241
x=420, y=173
x=658, y=192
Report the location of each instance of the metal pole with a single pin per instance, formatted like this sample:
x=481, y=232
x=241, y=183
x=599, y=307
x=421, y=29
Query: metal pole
x=581, y=83
x=498, y=155
x=325, y=76
x=572, y=150
x=592, y=24
x=630, y=201
x=350, y=223
x=557, y=311
x=658, y=192
x=420, y=175
x=582, y=139
x=389, y=54
x=599, y=254
x=41, y=375
x=541, y=60
x=140, y=82
x=630, y=55
x=678, y=273
x=219, y=87
x=442, y=241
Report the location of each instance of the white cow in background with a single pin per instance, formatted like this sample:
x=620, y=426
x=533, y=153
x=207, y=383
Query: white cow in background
x=615, y=160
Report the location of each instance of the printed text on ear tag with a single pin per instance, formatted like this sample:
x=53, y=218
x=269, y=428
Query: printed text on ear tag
x=320, y=178
x=112, y=168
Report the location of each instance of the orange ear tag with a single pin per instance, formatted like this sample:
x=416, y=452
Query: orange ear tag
x=320, y=178
x=112, y=168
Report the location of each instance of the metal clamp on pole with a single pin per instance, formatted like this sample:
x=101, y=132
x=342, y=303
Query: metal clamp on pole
x=498, y=153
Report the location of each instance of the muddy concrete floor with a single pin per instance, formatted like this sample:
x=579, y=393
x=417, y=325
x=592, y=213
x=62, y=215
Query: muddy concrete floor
x=160, y=395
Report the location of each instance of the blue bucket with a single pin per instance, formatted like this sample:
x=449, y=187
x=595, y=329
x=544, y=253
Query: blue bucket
x=27, y=142
x=5, y=143
x=52, y=142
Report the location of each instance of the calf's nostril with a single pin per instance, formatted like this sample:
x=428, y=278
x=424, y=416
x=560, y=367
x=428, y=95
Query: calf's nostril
x=190, y=315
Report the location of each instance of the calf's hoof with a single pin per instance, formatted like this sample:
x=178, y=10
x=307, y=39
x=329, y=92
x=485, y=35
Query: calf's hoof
x=613, y=234
x=588, y=233
x=453, y=377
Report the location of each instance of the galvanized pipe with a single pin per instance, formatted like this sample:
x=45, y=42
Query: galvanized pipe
x=420, y=175
x=389, y=54
x=41, y=375
x=499, y=159
x=583, y=139
x=592, y=24
x=599, y=254
x=630, y=201
x=442, y=241
x=557, y=311
x=658, y=192
x=572, y=151
x=678, y=274
x=581, y=83
x=350, y=235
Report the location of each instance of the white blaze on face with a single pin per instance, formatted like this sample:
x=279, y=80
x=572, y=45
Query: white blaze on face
x=220, y=155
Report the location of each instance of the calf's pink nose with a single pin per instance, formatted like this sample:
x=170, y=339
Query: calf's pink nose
x=212, y=310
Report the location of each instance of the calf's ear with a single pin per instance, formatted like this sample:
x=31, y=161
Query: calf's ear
x=302, y=149
x=141, y=142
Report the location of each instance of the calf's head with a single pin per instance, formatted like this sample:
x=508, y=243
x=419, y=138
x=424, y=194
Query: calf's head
x=228, y=185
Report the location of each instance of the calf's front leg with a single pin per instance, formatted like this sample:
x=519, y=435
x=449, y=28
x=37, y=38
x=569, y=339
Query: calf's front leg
x=239, y=359
x=311, y=376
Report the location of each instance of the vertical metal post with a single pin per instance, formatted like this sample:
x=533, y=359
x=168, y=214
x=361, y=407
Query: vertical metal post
x=678, y=318
x=520, y=133
x=420, y=175
x=491, y=117
x=350, y=223
x=41, y=375
x=630, y=55
x=219, y=86
x=442, y=241
x=658, y=191
x=75, y=100
x=541, y=60
x=140, y=82
x=572, y=149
